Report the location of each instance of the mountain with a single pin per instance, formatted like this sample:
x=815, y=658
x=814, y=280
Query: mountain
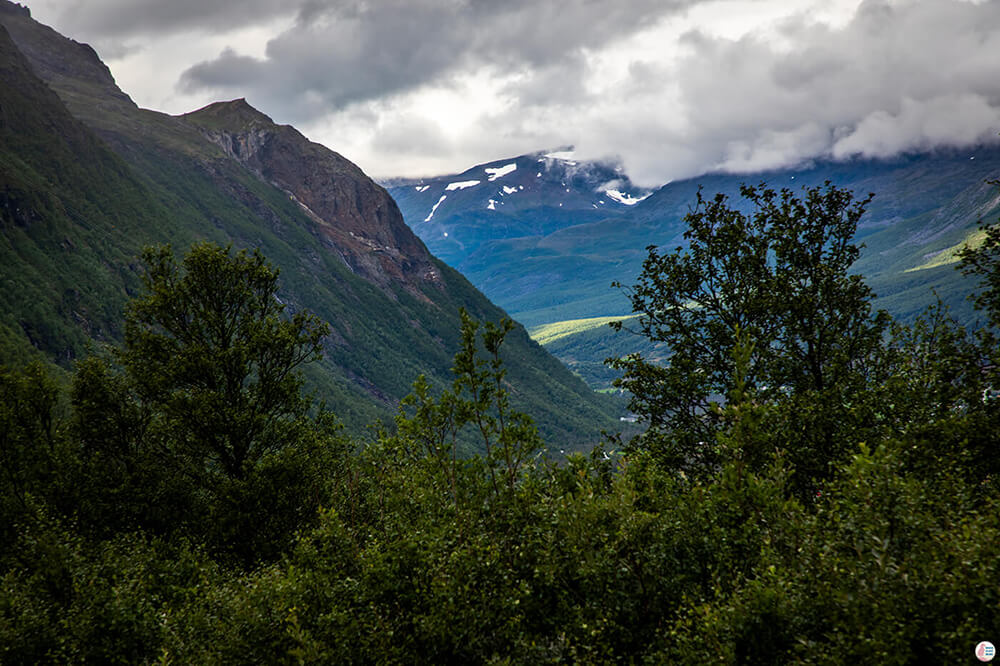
x=554, y=274
x=87, y=179
x=530, y=195
x=926, y=206
x=353, y=217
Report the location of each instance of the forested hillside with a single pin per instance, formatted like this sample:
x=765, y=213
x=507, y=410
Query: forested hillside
x=247, y=417
x=815, y=491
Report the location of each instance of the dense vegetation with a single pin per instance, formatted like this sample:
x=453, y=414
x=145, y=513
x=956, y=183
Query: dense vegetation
x=839, y=504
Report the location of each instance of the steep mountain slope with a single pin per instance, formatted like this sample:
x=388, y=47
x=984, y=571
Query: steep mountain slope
x=352, y=213
x=68, y=208
x=227, y=173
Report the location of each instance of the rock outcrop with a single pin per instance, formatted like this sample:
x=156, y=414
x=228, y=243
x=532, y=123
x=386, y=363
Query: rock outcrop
x=352, y=213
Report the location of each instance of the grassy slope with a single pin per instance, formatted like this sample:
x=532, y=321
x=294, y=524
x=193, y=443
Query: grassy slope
x=547, y=334
x=584, y=345
x=949, y=256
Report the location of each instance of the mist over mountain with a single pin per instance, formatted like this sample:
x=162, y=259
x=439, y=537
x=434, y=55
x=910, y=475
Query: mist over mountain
x=527, y=195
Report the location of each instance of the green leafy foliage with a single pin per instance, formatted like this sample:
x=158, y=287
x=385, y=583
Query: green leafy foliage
x=409, y=547
x=778, y=275
x=478, y=404
x=30, y=441
x=209, y=351
x=984, y=262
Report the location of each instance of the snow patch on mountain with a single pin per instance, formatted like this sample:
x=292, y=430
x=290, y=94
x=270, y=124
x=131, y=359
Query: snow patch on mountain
x=499, y=172
x=564, y=155
x=462, y=185
x=509, y=190
x=623, y=198
x=431, y=214
x=422, y=188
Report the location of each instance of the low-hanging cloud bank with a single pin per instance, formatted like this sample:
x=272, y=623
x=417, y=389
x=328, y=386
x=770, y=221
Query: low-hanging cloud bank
x=898, y=77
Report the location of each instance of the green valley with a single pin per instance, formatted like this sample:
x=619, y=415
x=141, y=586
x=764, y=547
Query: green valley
x=252, y=411
x=926, y=205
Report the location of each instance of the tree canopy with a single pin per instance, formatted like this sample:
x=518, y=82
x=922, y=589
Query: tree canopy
x=126, y=536
x=208, y=346
x=777, y=270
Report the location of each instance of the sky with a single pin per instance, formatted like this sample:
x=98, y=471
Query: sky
x=671, y=88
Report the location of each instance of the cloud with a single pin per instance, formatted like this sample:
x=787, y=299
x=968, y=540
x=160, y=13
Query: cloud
x=889, y=77
x=959, y=121
x=673, y=88
x=103, y=20
x=338, y=53
x=410, y=135
x=229, y=69
x=899, y=76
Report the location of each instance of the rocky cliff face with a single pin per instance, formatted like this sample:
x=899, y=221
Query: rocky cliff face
x=353, y=214
x=72, y=69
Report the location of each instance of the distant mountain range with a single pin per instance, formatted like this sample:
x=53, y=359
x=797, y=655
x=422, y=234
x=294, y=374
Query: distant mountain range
x=550, y=262
x=87, y=179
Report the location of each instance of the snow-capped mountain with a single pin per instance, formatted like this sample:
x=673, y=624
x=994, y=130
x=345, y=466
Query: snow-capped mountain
x=523, y=196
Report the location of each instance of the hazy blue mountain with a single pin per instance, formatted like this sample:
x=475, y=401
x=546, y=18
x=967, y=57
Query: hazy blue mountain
x=530, y=195
x=546, y=270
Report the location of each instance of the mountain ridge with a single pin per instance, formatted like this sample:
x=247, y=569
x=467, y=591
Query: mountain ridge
x=531, y=194
x=393, y=312
x=335, y=193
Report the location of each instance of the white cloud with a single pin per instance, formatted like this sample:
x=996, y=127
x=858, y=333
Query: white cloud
x=959, y=121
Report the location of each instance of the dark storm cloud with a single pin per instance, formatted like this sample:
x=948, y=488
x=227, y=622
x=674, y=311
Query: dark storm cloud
x=108, y=20
x=354, y=50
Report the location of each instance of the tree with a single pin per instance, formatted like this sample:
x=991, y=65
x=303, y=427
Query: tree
x=30, y=444
x=479, y=401
x=209, y=348
x=780, y=274
x=984, y=262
